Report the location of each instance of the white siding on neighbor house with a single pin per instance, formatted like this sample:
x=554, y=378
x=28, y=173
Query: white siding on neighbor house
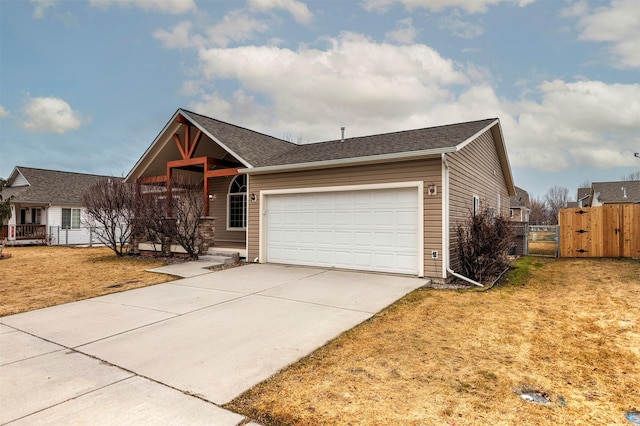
x=19, y=180
x=67, y=236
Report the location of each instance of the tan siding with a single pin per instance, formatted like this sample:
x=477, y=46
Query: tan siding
x=428, y=171
x=474, y=170
x=219, y=188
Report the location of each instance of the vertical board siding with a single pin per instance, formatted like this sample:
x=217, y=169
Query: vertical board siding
x=611, y=230
x=474, y=170
x=428, y=171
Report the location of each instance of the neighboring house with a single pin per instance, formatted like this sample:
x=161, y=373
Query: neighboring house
x=583, y=197
x=387, y=203
x=46, y=206
x=621, y=192
x=519, y=206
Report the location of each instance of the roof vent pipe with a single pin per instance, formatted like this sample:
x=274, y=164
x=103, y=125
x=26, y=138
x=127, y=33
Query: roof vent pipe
x=342, y=129
x=624, y=192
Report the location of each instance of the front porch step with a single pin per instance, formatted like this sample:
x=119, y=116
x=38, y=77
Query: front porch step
x=226, y=258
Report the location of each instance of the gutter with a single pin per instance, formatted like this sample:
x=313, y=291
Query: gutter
x=340, y=162
x=447, y=229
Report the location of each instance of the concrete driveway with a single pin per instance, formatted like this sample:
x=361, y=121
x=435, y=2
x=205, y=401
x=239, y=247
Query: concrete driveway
x=174, y=352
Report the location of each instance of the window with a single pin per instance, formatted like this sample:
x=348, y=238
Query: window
x=36, y=215
x=237, y=202
x=70, y=218
x=476, y=205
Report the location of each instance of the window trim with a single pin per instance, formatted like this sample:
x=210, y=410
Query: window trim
x=246, y=207
x=475, y=208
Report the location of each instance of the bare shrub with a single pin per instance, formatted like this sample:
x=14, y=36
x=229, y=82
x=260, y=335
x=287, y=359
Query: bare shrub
x=187, y=205
x=163, y=217
x=109, y=206
x=483, y=245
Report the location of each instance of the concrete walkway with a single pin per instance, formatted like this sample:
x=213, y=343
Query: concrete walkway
x=174, y=353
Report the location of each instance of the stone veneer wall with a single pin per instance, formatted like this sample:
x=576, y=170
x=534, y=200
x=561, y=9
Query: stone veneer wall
x=207, y=231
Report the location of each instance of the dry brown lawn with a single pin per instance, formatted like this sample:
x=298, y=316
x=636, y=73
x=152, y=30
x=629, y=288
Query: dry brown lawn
x=546, y=248
x=570, y=330
x=37, y=277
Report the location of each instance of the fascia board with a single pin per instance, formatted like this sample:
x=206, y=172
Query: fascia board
x=502, y=154
x=152, y=146
x=394, y=157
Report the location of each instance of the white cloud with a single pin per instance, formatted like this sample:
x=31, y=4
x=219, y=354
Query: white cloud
x=298, y=10
x=171, y=7
x=3, y=112
x=618, y=24
x=470, y=6
x=236, y=26
x=51, y=115
x=454, y=23
x=353, y=77
x=178, y=37
x=585, y=122
x=41, y=7
x=405, y=32
x=372, y=87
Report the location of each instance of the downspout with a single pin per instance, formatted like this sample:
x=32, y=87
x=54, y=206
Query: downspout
x=447, y=230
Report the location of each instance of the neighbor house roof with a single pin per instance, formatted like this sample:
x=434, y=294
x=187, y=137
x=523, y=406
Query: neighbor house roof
x=584, y=194
x=49, y=186
x=521, y=199
x=614, y=192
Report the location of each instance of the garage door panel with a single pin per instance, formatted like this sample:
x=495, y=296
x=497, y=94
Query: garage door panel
x=373, y=230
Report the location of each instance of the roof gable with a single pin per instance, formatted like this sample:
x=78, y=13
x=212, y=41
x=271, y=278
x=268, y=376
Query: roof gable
x=51, y=186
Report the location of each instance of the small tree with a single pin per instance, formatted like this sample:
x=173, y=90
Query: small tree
x=556, y=199
x=5, y=205
x=110, y=207
x=483, y=245
x=187, y=205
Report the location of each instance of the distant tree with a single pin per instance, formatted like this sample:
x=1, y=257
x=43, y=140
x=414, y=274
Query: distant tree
x=539, y=214
x=585, y=184
x=110, y=210
x=556, y=198
x=633, y=176
x=5, y=205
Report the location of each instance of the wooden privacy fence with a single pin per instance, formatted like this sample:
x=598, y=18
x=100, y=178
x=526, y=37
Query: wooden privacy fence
x=605, y=231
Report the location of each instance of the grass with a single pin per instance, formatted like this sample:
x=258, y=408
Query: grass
x=546, y=248
x=37, y=277
x=567, y=329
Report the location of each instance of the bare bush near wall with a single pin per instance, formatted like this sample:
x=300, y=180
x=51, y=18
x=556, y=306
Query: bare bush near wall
x=483, y=245
x=109, y=206
x=162, y=217
x=187, y=204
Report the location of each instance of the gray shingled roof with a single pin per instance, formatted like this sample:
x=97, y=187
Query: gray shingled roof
x=521, y=199
x=611, y=192
x=250, y=145
x=262, y=150
x=52, y=186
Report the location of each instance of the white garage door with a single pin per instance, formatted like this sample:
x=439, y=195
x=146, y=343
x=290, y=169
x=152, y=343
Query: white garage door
x=372, y=230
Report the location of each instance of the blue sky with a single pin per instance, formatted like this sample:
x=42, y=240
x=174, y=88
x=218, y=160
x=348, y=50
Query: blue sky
x=87, y=85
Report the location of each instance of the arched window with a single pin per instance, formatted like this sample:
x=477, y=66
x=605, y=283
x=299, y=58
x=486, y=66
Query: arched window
x=237, y=202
